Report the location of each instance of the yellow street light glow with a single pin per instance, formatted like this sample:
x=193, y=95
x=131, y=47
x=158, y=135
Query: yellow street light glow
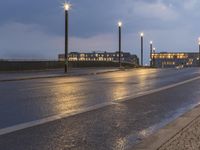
x=142, y=34
x=119, y=23
x=67, y=6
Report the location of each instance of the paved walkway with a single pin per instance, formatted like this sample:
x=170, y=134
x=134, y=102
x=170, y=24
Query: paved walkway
x=181, y=134
x=24, y=75
x=187, y=139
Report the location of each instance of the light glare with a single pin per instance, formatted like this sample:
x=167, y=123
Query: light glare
x=119, y=23
x=66, y=6
x=142, y=34
x=151, y=42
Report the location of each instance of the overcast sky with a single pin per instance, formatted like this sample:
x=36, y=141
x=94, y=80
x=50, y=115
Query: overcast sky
x=35, y=28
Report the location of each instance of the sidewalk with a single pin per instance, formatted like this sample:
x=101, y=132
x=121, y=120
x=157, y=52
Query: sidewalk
x=187, y=139
x=181, y=134
x=25, y=75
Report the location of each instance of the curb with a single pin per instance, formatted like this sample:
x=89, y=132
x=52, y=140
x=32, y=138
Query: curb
x=57, y=76
x=164, y=135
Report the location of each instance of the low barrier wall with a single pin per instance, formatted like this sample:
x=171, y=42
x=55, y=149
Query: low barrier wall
x=41, y=65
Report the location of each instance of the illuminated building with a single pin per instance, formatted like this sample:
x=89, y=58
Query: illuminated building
x=101, y=56
x=173, y=59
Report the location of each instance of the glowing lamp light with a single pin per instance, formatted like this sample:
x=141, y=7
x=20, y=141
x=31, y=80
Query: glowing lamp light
x=67, y=6
x=119, y=23
x=142, y=34
x=151, y=42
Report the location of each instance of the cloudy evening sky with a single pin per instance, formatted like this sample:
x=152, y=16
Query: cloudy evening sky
x=35, y=28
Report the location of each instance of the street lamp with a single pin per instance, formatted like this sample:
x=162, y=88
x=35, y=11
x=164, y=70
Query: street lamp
x=142, y=38
x=154, y=51
x=199, y=50
x=151, y=51
x=66, y=8
x=120, y=29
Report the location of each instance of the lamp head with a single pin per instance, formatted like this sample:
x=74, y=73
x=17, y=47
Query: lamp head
x=199, y=40
x=119, y=23
x=142, y=34
x=67, y=6
x=151, y=42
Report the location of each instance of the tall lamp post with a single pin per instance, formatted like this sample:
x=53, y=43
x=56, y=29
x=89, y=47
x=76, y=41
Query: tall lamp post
x=199, y=50
x=154, y=51
x=66, y=7
x=142, y=39
x=120, y=45
x=151, y=51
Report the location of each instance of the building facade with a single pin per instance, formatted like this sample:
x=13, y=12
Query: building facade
x=101, y=56
x=170, y=60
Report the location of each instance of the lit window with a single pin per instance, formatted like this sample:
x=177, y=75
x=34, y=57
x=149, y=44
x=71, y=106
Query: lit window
x=82, y=55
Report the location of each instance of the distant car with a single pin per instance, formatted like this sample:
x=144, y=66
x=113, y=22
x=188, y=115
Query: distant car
x=179, y=66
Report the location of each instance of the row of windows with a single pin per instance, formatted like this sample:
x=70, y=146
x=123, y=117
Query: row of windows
x=169, y=56
x=91, y=59
x=96, y=55
x=168, y=63
x=190, y=62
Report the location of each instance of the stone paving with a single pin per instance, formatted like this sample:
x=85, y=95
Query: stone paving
x=187, y=139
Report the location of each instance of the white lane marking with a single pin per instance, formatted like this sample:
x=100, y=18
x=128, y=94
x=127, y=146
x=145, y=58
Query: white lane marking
x=50, y=119
x=156, y=90
x=79, y=111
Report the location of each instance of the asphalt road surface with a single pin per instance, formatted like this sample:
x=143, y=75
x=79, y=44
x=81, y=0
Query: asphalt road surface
x=117, y=125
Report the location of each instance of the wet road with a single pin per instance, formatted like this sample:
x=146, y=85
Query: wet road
x=116, y=126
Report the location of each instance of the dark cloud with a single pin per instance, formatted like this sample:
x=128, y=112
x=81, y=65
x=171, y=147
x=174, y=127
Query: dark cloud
x=167, y=22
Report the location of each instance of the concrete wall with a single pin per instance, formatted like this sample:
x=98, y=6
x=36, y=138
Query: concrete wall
x=29, y=65
x=41, y=65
